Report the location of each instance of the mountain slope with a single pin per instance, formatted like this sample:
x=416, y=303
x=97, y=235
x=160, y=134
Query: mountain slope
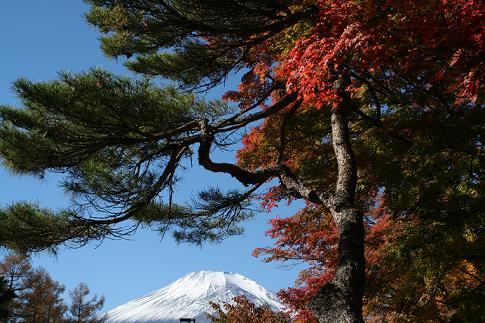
x=189, y=297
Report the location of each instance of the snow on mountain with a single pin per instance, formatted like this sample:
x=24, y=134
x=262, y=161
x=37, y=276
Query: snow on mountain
x=189, y=297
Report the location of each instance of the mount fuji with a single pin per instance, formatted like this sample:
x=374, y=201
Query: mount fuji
x=189, y=297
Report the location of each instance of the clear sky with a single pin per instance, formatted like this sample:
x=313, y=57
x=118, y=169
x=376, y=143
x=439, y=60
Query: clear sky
x=41, y=38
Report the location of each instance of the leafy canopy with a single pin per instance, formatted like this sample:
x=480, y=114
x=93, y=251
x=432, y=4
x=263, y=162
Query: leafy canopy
x=413, y=76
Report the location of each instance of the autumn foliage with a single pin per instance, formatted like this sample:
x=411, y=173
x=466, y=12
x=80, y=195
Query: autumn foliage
x=244, y=310
x=416, y=81
x=371, y=111
x=438, y=43
x=34, y=296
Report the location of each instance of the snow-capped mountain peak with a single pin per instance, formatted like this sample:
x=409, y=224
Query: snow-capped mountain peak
x=189, y=297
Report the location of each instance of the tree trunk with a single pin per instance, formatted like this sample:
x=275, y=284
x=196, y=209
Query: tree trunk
x=341, y=299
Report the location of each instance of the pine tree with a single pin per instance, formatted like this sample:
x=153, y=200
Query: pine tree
x=6, y=297
x=361, y=69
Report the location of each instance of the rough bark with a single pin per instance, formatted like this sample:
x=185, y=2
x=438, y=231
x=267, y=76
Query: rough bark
x=341, y=299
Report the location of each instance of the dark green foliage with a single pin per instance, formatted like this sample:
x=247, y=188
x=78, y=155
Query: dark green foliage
x=214, y=216
x=181, y=27
x=90, y=116
x=119, y=143
x=6, y=296
x=25, y=228
x=433, y=262
x=468, y=305
x=192, y=66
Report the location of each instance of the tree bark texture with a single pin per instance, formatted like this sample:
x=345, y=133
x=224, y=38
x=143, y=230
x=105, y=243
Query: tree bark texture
x=341, y=299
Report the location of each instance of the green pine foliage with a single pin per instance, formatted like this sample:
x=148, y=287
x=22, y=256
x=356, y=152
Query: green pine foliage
x=25, y=227
x=169, y=38
x=118, y=143
x=121, y=143
x=91, y=117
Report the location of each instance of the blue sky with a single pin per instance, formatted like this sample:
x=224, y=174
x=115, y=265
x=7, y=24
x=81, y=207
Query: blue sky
x=41, y=38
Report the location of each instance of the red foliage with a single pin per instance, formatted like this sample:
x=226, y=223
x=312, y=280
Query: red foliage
x=309, y=238
x=256, y=83
x=245, y=311
x=434, y=44
x=427, y=40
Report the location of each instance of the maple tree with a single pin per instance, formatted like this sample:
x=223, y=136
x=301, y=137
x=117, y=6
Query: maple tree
x=243, y=310
x=361, y=102
x=411, y=111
